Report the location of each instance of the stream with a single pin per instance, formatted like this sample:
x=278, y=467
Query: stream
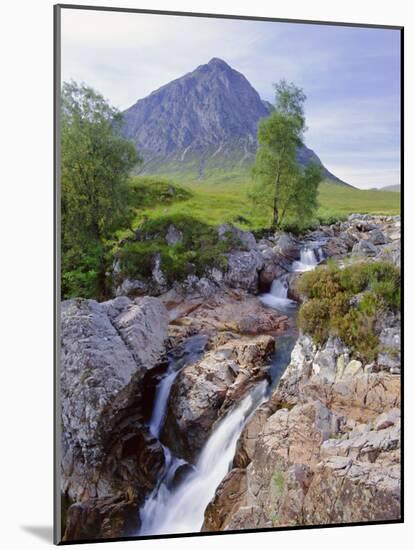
x=177, y=503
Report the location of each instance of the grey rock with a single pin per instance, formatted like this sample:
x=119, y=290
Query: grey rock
x=173, y=235
x=132, y=287
x=243, y=269
x=158, y=276
x=243, y=238
x=288, y=247
x=203, y=391
x=365, y=248
x=376, y=236
x=107, y=349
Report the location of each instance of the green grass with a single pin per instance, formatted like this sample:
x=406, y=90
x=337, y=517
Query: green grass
x=197, y=208
x=349, y=200
x=227, y=202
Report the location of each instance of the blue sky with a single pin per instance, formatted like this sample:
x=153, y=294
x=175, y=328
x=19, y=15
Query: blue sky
x=351, y=76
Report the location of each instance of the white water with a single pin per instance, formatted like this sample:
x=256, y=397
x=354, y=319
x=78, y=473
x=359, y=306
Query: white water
x=181, y=509
x=309, y=259
x=277, y=297
x=160, y=402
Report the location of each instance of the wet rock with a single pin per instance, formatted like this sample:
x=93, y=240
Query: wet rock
x=203, y=391
x=228, y=498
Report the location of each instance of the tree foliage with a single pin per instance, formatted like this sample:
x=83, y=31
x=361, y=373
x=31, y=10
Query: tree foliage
x=95, y=165
x=281, y=184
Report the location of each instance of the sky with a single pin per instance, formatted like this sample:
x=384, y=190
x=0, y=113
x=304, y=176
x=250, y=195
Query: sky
x=351, y=76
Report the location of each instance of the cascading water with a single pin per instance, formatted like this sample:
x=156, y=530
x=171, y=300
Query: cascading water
x=160, y=404
x=277, y=297
x=310, y=256
x=181, y=509
x=179, y=506
x=192, y=349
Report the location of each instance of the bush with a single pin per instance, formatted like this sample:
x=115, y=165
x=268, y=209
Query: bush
x=147, y=192
x=199, y=248
x=329, y=308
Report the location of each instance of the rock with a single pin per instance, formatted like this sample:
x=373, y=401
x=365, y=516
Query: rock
x=324, y=449
x=365, y=248
x=364, y=225
x=391, y=253
x=223, y=310
x=390, y=342
x=215, y=275
x=158, y=278
x=203, y=287
x=101, y=518
x=269, y=273
x=376, y=236
x=337, y=247
x=173, y=235
x=353, y=368
x=288, y=247
x=108, y=350
x=228, y=498
x=132, y=288
x=243, y=268
x=387, y=419
x=241, y=238
x=203, y=391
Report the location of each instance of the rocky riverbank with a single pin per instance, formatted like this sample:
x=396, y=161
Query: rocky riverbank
x=323, y=448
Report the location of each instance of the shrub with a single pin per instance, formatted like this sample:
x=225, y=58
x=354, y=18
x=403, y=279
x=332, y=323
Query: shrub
x=147, y=192
x=199, y=248
x=329, y=307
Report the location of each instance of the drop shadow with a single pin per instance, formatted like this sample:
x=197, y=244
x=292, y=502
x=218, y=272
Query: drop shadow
x=42, y=532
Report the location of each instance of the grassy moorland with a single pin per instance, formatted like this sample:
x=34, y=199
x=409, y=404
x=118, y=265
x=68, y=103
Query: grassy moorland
x=215, y=203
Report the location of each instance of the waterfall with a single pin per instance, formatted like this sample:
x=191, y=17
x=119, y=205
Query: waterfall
x=277, y=297
x=160, y=403
x=190, y=352
x=310, y=256
x=181, y=509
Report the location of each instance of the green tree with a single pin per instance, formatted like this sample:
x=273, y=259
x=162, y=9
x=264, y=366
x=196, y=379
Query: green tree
x=95, y=165
x=281, y=184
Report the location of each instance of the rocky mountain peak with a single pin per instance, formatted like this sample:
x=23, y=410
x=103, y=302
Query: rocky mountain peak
x=206, y=119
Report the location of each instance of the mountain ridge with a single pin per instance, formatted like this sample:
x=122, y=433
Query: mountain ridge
x=203, y=121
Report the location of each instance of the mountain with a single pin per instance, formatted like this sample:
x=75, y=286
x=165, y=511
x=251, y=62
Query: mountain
x=204, y=121
x=395, y=188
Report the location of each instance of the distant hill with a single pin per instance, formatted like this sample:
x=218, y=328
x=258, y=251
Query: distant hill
x=203, y=122
x=396, y=188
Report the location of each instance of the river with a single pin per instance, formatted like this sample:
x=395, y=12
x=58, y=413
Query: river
x=177, y=503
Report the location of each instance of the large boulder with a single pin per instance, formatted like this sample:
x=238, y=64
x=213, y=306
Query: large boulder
x=204, y=391
x=239, y=238
x=108, y=353
x=243, y=269
x=287, y=246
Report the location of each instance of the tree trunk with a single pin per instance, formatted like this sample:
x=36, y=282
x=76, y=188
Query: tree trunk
x=275, y=214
